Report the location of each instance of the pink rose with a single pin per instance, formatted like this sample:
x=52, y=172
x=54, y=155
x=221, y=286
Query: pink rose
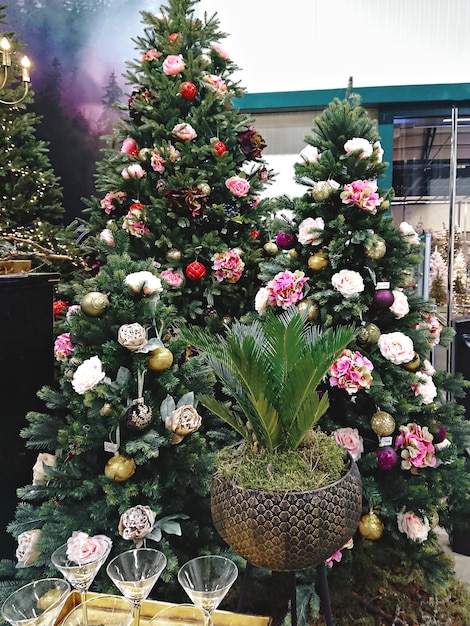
x=415, y=529
x=27, y=552
x=173, y=278
x=425, y=387
x=63, y=347
x=184, y=131
x=238, y=186
x=81, y=548
x=106, y=235
x=400, y=306
x=309, y=154
x=129, y=146
x=173, y=64
x=87, y=375
x=348, y=282
x=362, y=146
x=350, y=440
x=133, y=171
x=396, y=347
x=311, y=231
x=151, y=55
x=220, y=51
x=216, y=83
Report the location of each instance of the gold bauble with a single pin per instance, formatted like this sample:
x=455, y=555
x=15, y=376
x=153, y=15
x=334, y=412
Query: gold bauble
x=271, y=248
x=160, y=359
x=226, y=320
x=407, y=279
x=293, y=253
x=204, y=188
x=376, y=249
x=413, y=365
x=434, y=520
x=106, y=409
x=309, y=308
x=173, y=255
x=369, y=333
x=384, y=206
x=94, y=304
x=321, y=190
x=382, y=423
x=371, y=526
x=120, y=468
x=318, y=261
x=144, y=154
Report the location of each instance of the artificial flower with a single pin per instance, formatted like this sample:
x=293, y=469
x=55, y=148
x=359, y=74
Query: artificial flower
x=183, y=421
x=338, y=555
x=431, y=323
x=173, y=64
x=134, y=220
x=425, y=387
x=184, y=131
x=132, y=336
x=107, y=236
x=88, y=374
x=348, y=282
x=285, y=289
x=144, y=282
x=108, y=203
x=357, y=144
x=216, y=83
x=351, y=371
x=309, y=154
x=39, y=474
x=251, y=143
x=129, y=146
x=350, y=440
x=409, y=233
x=413, y=527
x=63, y=347
x=172, y=277
x=239, y=187
x=400, y=306
x=228, y=266
x=82, y=549
x=362, y=193
x=311, y=231
x=261, y=300
x=417, y=450
x=136, y=523
x=27, y=551
x=220, y=51
x=396, y=347
x=133, y=171
x=151, y=55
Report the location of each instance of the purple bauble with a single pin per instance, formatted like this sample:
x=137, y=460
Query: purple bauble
x=383, y=299
x=439, y=434
x=284, y=240
x=386, y=458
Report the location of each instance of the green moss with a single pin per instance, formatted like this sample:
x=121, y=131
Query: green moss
x=319, y=461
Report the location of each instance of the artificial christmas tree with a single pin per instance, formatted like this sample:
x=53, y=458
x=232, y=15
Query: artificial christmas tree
x=438, y=275
x=388, y=405
x=185, y=170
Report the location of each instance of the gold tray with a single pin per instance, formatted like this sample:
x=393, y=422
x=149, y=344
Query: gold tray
x=151, y=607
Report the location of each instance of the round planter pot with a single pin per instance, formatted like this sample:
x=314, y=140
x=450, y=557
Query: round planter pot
x=287, y=531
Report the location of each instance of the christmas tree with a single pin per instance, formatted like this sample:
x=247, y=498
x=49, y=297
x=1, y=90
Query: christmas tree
x=438, y=278
x=31, y=210
x=345, y=262
x=185, y=170
x=122, y=448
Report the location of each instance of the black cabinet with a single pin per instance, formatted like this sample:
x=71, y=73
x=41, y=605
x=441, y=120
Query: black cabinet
x=26, y=364
x=461, y=356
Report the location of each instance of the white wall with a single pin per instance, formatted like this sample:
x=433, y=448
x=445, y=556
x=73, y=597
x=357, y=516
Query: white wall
x=297, y=45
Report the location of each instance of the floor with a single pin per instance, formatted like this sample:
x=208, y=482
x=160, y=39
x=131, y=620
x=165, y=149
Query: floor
x=462, y=563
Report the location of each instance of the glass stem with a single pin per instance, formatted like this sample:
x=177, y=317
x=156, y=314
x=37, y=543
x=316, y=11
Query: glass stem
x=84, y=610
x=136, y=613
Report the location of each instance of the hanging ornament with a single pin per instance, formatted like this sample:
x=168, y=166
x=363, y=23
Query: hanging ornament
x=144, y=154
x=369, y=333
x=270, y=248
x=376, y=247
x=188, y=90
x=321, y=190
x=434, y=520
x=318, y=261
x=138, y=416
x=132, y=336
x=120, y=468
x=386, y=458
x=106, y=410
x=309, y=308
x=160, y=359
x=382, y=423
x=407, y=279
x=383, y=297
x=293, y=253
x=219, y=147
x=413, y=365
x=439, y=433
x=195, y=271
x=173, y=255
x=204, y=188
x=384, y=206
x=284, y=240
x=94, y=304
x=371, y=526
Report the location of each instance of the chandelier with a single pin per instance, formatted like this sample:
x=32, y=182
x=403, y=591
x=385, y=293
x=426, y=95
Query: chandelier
x=6, y=65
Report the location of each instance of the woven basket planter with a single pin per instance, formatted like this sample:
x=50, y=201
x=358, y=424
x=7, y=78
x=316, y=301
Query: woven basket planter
x=287, y=531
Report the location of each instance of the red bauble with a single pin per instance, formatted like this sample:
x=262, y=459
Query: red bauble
x=188, y=90
x=219, y=147
x=386, y=458
x=195, y=271
x=174, y=37
x=383, y=299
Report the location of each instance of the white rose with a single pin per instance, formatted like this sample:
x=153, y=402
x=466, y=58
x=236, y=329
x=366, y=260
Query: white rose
x=378, y=151
x=348, y=282
x=261, y=300
x=87, y=375
x=27, y=553
x=358, y=144
x=144, y=281
x=309, y=154
x=428, y=368
x=425, y=388
x=39, y=475
x=310, y=231
x=409, y=232
x=396, y=347
x=415, y=529
x=400, y=306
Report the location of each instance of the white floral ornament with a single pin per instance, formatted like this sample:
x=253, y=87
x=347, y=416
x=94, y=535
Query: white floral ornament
x=132, y=336
x=396, y=347
x=181, y=419
x=409, y=233
x=311, y=231
x=144, y=282
x=309, y=154
x=136, y=523
x=348, y=282
x=360, y=145
x=400, y=306
x=413, y=527
x=39, y=473
x=87, y=375
x=27, y=552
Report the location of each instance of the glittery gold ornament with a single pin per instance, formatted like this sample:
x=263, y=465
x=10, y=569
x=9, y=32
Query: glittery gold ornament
x=407, y=279
x=371, y=526
x=293, y=253
x=318, y=261
x=160, y=359
x=173, y=255
x=321, y=190
x=376, y=249
x=144, y=154
x=384, y=206
x=106, y=410
x=120, y=468
x=271, y=248
x=382, y=423
x=434, y=520
x=413, y=365
x=369, y=333
x=94, y=304
x=204, y=188
x=309, y=308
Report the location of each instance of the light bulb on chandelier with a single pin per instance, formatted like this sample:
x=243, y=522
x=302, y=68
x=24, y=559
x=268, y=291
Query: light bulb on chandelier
x=25, y=63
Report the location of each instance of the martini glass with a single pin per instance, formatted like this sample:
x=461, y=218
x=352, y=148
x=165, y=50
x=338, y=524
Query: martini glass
x=206, y=580
x=36, y=604
x=79, y=575
x=135, y=572
x=182, y=614
x=102, y=611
